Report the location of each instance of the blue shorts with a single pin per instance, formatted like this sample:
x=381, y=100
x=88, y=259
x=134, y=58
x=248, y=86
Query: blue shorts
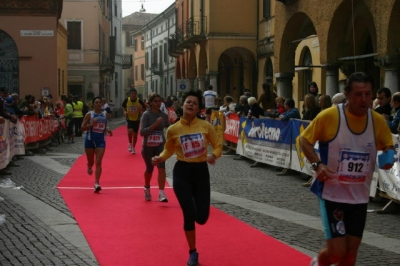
x=341, y=219
x=92, y=144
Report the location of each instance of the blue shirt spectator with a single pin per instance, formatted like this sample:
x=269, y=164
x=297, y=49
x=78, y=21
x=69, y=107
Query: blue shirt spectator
x=290, y=111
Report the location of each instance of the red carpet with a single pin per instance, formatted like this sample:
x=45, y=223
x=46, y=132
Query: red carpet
x=123, y=229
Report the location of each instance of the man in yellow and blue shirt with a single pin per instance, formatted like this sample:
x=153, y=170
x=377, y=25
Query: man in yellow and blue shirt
x=133, y=109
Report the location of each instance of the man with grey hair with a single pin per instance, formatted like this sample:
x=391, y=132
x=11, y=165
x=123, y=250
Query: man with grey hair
x=242, y=108
x=338, y=98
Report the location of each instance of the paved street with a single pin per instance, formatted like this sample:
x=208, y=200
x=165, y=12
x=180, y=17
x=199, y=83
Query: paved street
x=40, y=230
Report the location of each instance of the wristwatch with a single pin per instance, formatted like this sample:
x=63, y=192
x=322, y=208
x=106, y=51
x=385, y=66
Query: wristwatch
x=314, y=166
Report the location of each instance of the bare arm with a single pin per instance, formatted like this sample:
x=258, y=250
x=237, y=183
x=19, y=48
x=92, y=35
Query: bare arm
x=322, y=172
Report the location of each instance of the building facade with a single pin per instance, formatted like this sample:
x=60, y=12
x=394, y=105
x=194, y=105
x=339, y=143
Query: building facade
x=94, y=48
x=133, y=45
x=333, y=41
x=32, y=48
x=216, y=43
x=159, y=65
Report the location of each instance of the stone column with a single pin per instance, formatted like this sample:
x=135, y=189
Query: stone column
x=213, y=79
x=332, y=82
x=191, y=83
x=284, y=84
x=391, y=80
x=202, y=82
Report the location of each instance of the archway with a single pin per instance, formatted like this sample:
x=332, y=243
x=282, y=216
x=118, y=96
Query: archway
x=9, y=64
x=237, y=72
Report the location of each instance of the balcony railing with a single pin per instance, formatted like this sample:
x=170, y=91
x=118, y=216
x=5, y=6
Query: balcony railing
x=106, y=64
x=191, y=32
x=173, y=49
x=126, y=61
x=156, y=69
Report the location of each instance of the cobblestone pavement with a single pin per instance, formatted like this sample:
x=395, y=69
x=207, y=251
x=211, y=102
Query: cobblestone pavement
x=276, y=205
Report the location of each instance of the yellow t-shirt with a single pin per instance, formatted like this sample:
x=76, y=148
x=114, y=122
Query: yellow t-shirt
x=190, y=141
x=133, y=108
x=325, y=126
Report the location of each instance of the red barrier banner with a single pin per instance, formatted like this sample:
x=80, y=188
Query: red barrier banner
x=38, y=129
x=231, y=132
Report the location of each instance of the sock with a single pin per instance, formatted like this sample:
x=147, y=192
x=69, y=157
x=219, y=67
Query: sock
x=192, y=250
x=147, y=187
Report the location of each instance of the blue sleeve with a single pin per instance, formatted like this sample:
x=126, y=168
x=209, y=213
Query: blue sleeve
x=394, y=123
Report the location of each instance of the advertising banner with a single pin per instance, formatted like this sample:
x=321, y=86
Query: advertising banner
x=266, y=141
x=231, y=132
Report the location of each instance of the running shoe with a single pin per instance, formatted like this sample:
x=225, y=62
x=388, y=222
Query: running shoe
x=97, y=188
x=133, y=150
x=314, y=261
x=147, y=195
x=129, y=147
x=162, y=197
x=193, y=259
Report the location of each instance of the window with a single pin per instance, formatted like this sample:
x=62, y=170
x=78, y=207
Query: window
x=142, y=43
x=165, y=53
x=161, y=54
x=75, y=35
x=154, y=59
x=142, y=71
x=266, y=8
x=135, y=44
x=116, y=85
x=146, y=56
x=132, y=42
x=136, y=73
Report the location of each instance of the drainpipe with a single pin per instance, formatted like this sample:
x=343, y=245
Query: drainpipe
x=170, y=85
x=151, y=54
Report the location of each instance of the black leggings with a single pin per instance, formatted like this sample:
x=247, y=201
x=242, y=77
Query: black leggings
x=191, y=182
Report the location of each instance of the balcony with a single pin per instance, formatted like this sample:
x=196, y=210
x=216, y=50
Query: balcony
x=126, y=61
x=173, y=49
x=193, y=31
x=156, y=69
x=106, y=64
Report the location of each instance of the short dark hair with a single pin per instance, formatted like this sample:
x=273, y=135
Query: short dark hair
x=133, y=90
x=289, y=102
x=266, y=87
x=358, y=77
x=94, y=99
x=314, y=84
x=196, y=93
x=386, y=91
x=210, y=87
x=229, y=99
x=153, y=95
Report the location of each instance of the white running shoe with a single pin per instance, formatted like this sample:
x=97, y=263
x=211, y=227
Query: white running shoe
x=314, y=261
x=97, y=187
x=129, y=147
x=133, y=151
x=162, y=197
x=147, y=195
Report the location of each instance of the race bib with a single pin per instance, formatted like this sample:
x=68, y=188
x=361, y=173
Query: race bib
x=155, y=138
x=192, y=145
x=353, y=167
x=133, y=109
x=99, y=128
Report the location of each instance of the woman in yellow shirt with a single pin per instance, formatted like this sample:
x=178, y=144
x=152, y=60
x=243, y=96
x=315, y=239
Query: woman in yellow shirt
x=189, y=139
